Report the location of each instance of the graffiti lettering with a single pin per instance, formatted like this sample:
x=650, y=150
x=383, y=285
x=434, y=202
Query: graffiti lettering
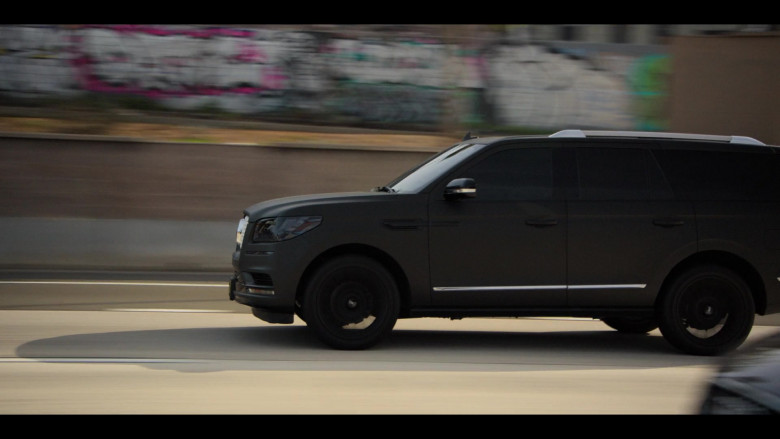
x=372, y=79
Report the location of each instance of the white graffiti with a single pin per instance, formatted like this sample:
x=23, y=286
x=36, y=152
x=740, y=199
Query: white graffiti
x=35, y=60
x=531, y=87
x=260, y=70
x=395, y=63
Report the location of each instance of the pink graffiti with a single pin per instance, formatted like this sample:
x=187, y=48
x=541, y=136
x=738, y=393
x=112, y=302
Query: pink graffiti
x=249, y=53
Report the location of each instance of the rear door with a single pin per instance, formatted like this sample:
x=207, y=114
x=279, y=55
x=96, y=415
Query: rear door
x=625, y=227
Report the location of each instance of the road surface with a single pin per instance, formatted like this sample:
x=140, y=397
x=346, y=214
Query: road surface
x=161, y=346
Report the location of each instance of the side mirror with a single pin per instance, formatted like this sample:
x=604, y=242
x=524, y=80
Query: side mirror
x=460, y=188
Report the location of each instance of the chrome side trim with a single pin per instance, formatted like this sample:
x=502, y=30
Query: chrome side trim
x=606, y=287
x=541, y=287
x=501, y=288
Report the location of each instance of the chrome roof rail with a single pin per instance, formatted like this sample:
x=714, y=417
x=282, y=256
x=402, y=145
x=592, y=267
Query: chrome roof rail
x=742, y=140
x=569, y=133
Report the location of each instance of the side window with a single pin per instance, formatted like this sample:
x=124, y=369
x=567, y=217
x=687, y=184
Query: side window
x=711, y=175
x=620, y=174
x=514, y=175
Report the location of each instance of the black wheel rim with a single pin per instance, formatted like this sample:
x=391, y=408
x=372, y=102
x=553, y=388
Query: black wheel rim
x=351, y=305
x=707, y=308
x=353, y=301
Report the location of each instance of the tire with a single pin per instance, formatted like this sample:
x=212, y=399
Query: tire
x=707, y=310
x=351, y=303
x=631, y=325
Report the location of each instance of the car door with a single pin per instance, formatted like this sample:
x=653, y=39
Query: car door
x=625, y=227
x=506, y=247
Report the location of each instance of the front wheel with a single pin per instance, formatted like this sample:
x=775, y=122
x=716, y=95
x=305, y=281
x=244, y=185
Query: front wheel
x=351, y=302
x=708, y=310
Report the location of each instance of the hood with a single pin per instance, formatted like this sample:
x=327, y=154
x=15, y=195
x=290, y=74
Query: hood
x=311, y=204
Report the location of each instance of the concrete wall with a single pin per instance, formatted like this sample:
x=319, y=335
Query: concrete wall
x=89, y=244
x=91, y=203
x=108, y=178
x=430, y=76
x=727, y=85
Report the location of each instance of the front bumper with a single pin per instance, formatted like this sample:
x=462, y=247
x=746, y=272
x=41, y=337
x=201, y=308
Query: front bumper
x=246, y=292
x=267, y=274
x=257, y=297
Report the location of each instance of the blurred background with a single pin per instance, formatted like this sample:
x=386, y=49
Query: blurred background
x=138, y=146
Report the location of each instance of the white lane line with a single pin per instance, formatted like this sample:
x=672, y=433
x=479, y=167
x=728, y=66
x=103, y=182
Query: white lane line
x=116, y=283
x=95, y=360
x=182, y=310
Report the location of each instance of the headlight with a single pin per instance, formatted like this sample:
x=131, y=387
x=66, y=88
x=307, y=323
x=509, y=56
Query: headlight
x=282, y=228
x=241, y=230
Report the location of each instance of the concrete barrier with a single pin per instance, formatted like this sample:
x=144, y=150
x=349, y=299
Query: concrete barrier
x=70, y=202
x=116, y=244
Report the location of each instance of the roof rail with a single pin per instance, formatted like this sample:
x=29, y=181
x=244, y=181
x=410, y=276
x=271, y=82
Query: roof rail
x=742, y=140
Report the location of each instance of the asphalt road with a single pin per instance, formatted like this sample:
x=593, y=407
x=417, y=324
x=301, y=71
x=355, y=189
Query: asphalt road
x=152, y=345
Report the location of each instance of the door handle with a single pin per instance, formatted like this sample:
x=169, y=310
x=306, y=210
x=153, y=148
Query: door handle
x=541, y=222
x=668, y=222
x=404, y=224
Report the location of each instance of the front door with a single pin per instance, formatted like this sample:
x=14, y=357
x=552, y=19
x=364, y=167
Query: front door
x=507, y=246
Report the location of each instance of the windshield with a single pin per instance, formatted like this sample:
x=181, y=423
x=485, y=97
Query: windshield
x=420, y=177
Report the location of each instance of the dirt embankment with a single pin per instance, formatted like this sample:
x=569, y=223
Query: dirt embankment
x=209, y=132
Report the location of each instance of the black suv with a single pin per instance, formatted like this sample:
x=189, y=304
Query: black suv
x=641, y=230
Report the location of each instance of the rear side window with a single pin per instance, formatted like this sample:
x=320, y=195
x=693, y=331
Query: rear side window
x=721, y=175
x=620, y=174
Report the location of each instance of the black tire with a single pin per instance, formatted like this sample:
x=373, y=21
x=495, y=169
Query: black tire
x=351, y=302
x=707, y=310
x=631, y=325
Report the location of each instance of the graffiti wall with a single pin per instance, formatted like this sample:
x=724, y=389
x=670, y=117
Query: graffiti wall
x=420, y=79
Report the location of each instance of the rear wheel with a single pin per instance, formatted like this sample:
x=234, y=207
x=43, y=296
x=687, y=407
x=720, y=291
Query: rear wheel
x=351, y=302
x=708, y=310
x=631, y=325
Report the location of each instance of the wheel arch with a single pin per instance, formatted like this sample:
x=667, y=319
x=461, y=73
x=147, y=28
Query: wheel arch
x=726, y=260
x=374, y=253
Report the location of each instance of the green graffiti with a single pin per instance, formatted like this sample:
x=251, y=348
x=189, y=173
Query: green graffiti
x=648, y=80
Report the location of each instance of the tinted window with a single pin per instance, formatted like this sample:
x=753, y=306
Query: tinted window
x=420, y=177
x=719, y=175
x=514, y=174
x=619, y=174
